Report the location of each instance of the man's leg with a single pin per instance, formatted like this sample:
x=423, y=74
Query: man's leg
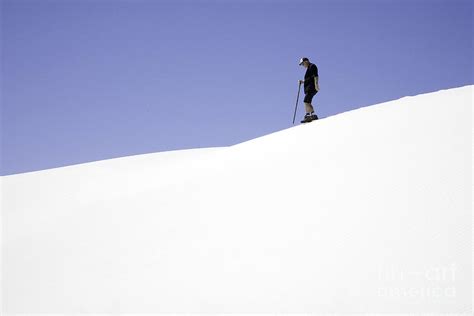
x=310, y=116
x=307, y=102
x=308, y=107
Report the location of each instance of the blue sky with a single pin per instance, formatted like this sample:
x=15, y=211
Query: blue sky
x=87, y=80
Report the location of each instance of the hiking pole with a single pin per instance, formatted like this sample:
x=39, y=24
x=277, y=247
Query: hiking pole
x=296, y=106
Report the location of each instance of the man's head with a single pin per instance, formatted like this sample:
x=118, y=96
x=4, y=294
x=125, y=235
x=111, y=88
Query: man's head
x=304, y=62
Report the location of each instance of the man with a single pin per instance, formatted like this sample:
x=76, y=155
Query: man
x=311, y=87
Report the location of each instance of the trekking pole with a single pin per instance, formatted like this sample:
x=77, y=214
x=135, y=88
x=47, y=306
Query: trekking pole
x=296, y=106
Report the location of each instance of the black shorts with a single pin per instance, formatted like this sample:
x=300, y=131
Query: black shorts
x=308, y=97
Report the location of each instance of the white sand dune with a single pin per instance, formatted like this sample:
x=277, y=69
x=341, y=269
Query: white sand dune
x=366, y=211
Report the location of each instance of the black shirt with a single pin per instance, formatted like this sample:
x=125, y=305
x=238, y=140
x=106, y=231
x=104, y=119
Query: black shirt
x=311, y=72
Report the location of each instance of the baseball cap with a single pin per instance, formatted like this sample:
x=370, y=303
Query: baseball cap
x=303, y=60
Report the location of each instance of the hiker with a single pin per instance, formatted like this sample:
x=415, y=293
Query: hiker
x=311, y=87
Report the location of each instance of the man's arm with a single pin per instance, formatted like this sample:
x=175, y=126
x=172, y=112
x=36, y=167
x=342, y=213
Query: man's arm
x=316, y=76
